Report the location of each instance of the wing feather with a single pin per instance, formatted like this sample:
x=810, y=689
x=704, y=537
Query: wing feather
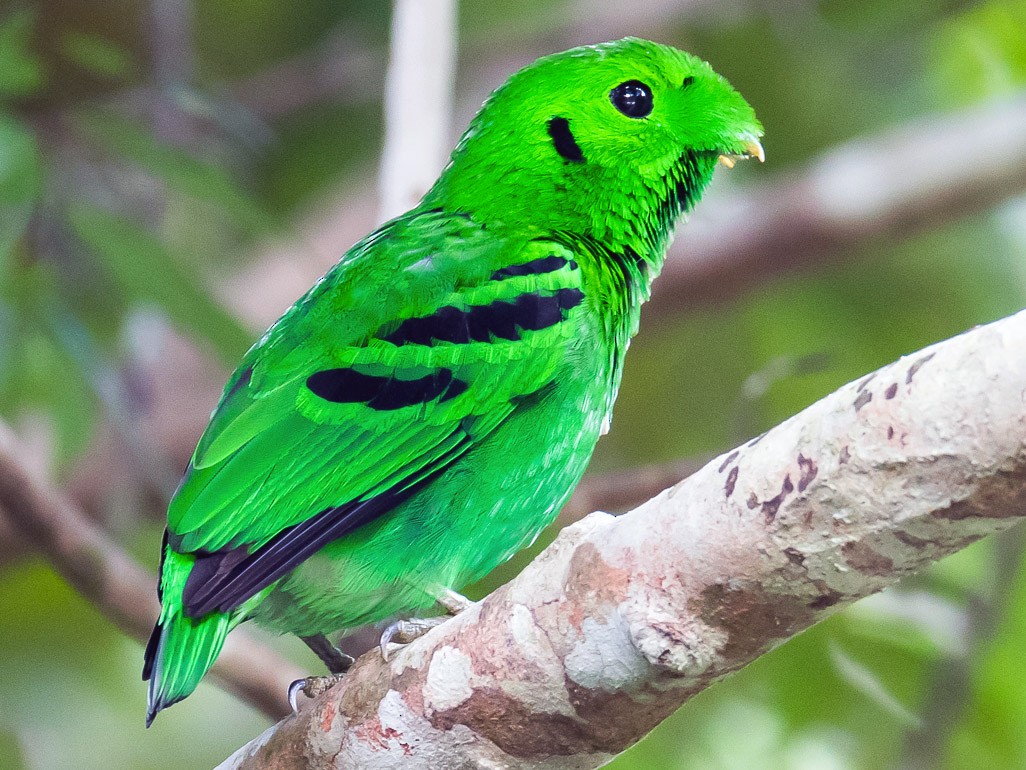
x=328, y=424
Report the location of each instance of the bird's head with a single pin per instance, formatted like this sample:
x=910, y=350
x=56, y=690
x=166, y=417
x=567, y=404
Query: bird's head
x=613, y=140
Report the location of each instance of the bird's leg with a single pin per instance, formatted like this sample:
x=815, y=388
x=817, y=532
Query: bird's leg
x=410, y=629
x=336, y=661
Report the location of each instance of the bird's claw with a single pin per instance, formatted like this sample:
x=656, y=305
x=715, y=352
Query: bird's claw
x=311, y=686
x=295, y=688
x=406, y=631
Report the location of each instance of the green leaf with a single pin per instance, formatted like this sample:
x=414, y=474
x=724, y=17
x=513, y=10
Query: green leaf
x=20, y=182
x=36, y=374
x=20, y=70
x=20, y=173
x=147, y=271
x=96, y=55
x=179, y=170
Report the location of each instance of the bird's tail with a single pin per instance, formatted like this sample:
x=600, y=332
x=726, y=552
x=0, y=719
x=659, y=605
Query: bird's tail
x=181, y=649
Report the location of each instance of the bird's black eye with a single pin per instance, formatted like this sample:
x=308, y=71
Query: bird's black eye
x=633, y=99
x=687, y=81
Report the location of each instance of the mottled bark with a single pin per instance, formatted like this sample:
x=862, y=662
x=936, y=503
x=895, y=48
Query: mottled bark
x=622, y=620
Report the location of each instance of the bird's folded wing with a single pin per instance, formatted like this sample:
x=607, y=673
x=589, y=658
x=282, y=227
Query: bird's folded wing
x=343, y=411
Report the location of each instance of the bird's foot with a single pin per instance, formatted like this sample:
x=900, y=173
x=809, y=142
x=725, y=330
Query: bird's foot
x=406, y=631
x=311, y=687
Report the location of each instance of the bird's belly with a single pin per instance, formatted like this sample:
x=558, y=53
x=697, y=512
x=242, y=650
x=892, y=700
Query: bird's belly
x=494, y=502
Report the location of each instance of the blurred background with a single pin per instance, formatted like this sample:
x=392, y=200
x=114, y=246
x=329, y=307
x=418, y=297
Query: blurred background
x=174, y=174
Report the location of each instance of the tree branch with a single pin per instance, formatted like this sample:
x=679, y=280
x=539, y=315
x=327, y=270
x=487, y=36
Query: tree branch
x=418, y=101
x=116, y=585
x=951, y=682
x=624, y=619
x=172, y=61
x=617, y=491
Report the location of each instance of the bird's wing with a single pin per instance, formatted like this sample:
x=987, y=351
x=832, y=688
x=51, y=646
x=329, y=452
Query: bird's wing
x=416, y=346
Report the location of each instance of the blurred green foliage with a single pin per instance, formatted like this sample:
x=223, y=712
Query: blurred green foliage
x=97, y=55
x=102, y=214
x=21, y=71
x=983, y=51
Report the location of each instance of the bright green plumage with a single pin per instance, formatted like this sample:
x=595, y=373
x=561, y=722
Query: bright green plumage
x=425, y=410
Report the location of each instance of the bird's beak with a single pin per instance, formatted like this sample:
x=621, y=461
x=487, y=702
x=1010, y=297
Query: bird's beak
x=752, y=150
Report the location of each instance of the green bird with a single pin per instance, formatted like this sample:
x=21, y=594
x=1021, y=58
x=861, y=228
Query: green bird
x=425, y=410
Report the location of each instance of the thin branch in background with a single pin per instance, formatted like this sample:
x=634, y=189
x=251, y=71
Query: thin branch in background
x=171, y=44
x=418, y=101
x=889, y=186
x=882, y=187
x=118, y=587
x=951, y=684
x=619, y=491
x=12, y=547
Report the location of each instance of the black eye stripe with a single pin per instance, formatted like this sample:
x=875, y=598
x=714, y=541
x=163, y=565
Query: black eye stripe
x=563, y=140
